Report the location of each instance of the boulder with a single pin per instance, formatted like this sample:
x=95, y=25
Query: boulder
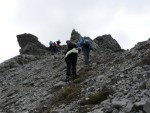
x=75, y=36
x=33, y=83
x=107, y=42
x=141, y=52
x=17, y=61
x=30, y=45
x=142, y=45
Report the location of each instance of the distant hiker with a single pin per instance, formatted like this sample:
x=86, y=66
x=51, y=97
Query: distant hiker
x=71, y=60
x=86, y=45
x=58, y=43
x=50, y=45
x=54, y=44
x=54, y=47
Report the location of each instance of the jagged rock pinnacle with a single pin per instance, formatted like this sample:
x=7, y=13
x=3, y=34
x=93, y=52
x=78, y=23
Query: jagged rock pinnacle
x=75, y=36
x=114, y=82
x=107, y=42
x=30, y=45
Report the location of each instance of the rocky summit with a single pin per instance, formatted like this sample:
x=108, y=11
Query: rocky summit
x=116, y=80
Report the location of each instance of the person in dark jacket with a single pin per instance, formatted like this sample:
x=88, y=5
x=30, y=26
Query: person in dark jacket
x=71, y=60
x=58, y=43
x=55, y=47
x=86, y=45
x=50, y=45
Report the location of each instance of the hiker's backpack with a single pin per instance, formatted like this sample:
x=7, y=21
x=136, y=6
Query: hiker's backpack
x=86, y=43
x=54, y=44
x=50, y=43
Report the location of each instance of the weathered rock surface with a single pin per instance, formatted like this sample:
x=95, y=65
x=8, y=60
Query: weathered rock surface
x=115, y=82
x=107, y=42
x=30, y=45
x=75, y=36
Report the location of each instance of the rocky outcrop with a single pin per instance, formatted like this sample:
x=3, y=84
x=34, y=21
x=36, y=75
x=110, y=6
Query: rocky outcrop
x=24, y=87
x=115, y=82
x=30, y=45
x=107, y=42
x=17, y=61
x=75, y=36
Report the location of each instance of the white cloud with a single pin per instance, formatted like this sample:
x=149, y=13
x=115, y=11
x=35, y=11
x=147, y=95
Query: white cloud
x=8, y=43
x=127, y=21
x=135, y=27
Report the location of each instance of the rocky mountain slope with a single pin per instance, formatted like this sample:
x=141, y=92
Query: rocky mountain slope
x=117, y=80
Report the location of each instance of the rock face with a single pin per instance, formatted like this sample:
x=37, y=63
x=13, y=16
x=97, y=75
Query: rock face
x=107, y=42
x=115, y=82
x=30, y=45
x=75, y=36
x=17, y=62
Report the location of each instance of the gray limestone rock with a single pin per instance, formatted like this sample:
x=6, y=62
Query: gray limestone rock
x=75, y=36
x=146, y=107
x=107, y=42
x=128, y=107
x=119, y=104
x=30, y=45
x=33, y=81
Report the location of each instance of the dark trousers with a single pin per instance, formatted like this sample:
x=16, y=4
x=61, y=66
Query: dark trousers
x=71, y=62
x=86, y=53
x=50, y=47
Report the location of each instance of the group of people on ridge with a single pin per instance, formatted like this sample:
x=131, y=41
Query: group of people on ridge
x=54, y=46
x=71, y=54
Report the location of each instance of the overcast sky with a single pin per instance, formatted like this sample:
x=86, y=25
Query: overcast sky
x=128, y=21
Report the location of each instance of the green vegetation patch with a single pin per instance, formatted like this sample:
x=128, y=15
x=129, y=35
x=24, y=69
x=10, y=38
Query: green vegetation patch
x=67, y=94
x=97, y=97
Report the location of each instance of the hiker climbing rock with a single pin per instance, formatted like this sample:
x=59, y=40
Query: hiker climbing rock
x=86, y=45
x=71, y=60
x=50, y=45
x=58, y=43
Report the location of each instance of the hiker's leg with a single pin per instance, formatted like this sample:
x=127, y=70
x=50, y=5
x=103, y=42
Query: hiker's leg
x=74, y=63
x=84, y=54
x=85, y=57
x=68, y=68
x=51, y=47
x=68, y=73
x=88, y=55
x=52, y=50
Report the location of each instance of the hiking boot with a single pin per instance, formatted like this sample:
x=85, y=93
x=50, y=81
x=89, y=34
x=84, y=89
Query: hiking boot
x=75, y=77
x=67, y=79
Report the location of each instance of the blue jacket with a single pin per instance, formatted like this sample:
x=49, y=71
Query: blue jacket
x=80, y=44
x=50, y=43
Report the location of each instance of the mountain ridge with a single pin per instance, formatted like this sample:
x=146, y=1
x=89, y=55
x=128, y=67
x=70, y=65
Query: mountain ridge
x=117, y=80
